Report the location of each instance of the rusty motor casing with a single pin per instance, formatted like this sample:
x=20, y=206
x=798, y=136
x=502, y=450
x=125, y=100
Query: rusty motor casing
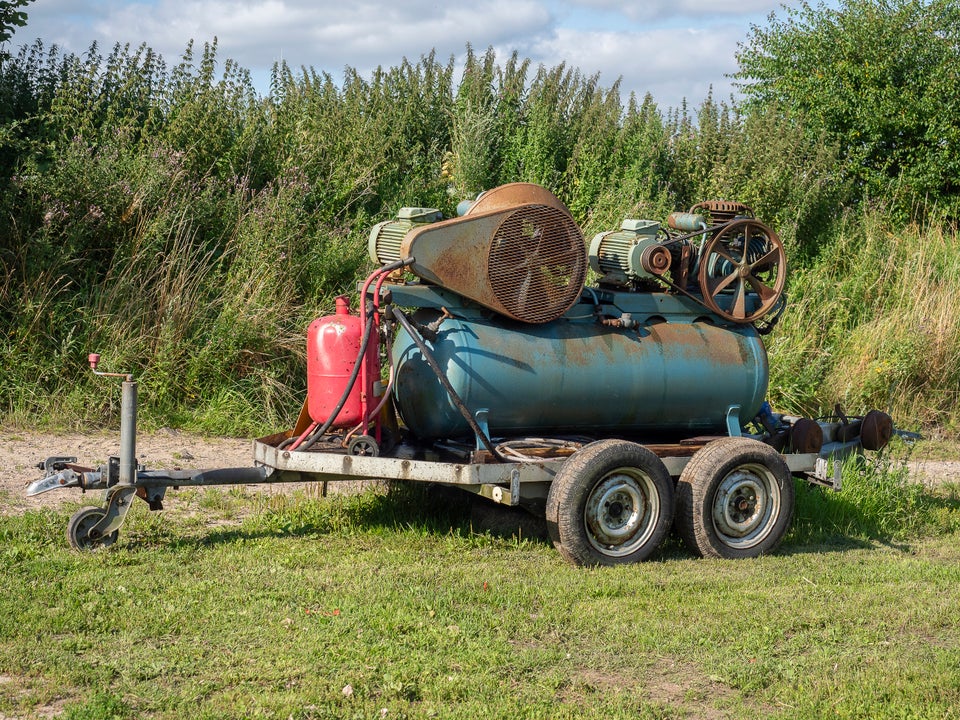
x=516, y=251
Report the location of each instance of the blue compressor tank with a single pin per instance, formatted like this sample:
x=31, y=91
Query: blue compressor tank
x=581, y=377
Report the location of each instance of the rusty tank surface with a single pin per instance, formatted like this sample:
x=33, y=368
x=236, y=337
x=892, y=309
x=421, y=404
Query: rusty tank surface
x=671, y=372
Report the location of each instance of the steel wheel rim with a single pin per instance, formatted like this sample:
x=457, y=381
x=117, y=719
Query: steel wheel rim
x=746, y=506
x=84, y=538
x=730, y=273
x=83, y=527
x=621, y=512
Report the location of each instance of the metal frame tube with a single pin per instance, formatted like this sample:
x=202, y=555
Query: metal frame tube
x=128, y=433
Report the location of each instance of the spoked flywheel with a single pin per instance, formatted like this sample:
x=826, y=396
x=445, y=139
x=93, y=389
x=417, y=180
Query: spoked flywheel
x=742, y=271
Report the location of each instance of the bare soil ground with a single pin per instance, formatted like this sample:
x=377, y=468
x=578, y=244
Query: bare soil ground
x=21, y=450
x=935, y=472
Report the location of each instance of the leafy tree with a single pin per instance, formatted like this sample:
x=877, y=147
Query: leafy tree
x=879, y=77
x=11, y=18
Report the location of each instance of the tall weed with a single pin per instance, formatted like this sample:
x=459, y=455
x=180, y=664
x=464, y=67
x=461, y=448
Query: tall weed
x=878, y=502
x=872, y=323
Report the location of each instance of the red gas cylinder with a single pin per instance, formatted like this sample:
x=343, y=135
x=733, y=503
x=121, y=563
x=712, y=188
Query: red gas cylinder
x=333, y=343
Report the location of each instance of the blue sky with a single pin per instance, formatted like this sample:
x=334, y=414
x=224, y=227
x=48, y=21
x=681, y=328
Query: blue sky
x=674, y=49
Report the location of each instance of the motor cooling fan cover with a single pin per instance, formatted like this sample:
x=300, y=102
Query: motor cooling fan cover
x=524, y=260
x=536, y=263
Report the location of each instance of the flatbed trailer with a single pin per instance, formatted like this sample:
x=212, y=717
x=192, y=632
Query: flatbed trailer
x=754, y=499
x=510, y=483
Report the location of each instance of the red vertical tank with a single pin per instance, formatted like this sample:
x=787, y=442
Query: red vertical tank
x=333, y=343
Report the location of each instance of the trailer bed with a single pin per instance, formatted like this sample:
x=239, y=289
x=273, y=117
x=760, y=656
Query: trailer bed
x=502, y=482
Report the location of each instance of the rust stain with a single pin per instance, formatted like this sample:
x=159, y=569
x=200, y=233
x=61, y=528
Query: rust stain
x=513, y=194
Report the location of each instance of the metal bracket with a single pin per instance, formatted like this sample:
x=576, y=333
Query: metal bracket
x=733, y=421
x=49, y=466
x=820, y=474
x=498, y=494
x=481, y=416
x=119, y=499
x=112, y=470
x=64, y=479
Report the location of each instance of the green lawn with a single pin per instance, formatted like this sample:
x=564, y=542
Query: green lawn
x=230, y=605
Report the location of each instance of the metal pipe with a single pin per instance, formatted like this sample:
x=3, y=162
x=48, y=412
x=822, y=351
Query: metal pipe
x=454, y=397
x=376, y=411
x=227, y=476
x=128, y=433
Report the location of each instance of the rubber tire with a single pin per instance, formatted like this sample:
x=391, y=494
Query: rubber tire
x=363, y=446
x=704, y=477
x=78, y=529
x=585, y=472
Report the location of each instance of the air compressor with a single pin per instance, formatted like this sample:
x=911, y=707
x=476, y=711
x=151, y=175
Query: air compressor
x=479, y=357
x=499, y=299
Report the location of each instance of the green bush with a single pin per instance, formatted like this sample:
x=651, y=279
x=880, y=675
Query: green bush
x=872, y=323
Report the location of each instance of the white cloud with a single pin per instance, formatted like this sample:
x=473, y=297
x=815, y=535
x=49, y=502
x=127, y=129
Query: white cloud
x=325, y=34
x=669, y=64
x=658, y=10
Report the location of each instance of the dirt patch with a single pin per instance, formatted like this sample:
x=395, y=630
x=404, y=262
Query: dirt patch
x=935, y=472
x=679, y=689
x=19, y=687
x=687, y=691
x=20, y=451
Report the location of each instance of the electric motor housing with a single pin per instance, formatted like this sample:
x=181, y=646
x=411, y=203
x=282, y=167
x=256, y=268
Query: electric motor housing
x=617, y=255
x=386, y=237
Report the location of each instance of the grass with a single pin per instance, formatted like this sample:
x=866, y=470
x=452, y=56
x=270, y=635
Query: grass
x=387, y=604
x=872, y=324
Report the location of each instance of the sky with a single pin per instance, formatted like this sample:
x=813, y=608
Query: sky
x=673, y=49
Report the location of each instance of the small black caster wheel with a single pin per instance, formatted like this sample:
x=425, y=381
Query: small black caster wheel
x=80, y=532
x=363, y=445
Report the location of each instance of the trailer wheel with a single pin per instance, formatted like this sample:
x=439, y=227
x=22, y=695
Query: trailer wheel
x=80, y=532
x=363, y=445
x=735, y=499
x=610, y=503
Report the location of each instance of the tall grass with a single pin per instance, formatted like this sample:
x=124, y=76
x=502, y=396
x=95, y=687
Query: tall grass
x=189, y=228
x=873, y=323
x=878, y=502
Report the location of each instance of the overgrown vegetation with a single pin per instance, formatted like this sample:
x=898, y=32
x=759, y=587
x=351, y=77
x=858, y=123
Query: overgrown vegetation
x=190, y=228
x=880, y=79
